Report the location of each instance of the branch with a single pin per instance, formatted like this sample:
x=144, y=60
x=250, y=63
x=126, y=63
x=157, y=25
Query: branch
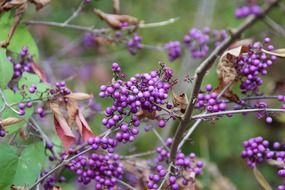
x=203, y=116
x=75, y=13
x=203, y=68
x=98, y=31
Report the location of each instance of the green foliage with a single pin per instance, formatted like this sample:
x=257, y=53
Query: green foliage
x=8, y=165
x=22, y=36
x=29, y=165
x=20, y=170
x=29, y=79
x=6, y=69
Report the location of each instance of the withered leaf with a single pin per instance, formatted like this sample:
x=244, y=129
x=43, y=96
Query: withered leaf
x=72, y=108
x=278, y=52
x=115, y=20
x=180, y=101
x=261, y=179
x=79, y=96
x=39, y=3
x=83, y=126
x=10, y=121
x=146, y=114
x=39, y=71
x=14, y=187
x=62, y=128
x=56, y=188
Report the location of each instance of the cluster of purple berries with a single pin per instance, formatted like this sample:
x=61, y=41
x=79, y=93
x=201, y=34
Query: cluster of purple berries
x=197, y=41
x=219, y=36
x=24, y=64
x=253, y=64
x=173, y=50
x=103, y=169
x=183, y=163
x=134, y=44
x=22, y=106
x=60, y=90
x=251, y=7
x=50, y=182
x=210, y=101
x=105, y=143
x=257, y=150
x=89, y=39
x=144, y=92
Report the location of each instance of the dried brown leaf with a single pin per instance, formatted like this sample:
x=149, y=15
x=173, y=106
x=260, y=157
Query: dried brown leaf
x=146, y=114
x=79, y=96
x=14, y=187
x=180, y=101
x=278, y=52
x=39, y=71
x=39, y=3
x=72, y=108
x=10, y=121
x=83, y=126
x=62, y=128
x=261, y=179
x=56, y=188
x=115, y=20
x=100, y=40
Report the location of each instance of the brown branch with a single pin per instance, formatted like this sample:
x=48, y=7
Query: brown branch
x=203, y=68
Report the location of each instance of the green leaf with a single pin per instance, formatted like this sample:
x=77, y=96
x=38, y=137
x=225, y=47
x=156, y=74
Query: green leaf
x=21, y=38
x=8, y=165
x=261, y=179
x=6, y=69
x=29, y=165
x=28, y=79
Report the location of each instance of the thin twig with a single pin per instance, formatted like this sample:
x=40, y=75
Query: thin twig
x=160, y=138
x=202, y=70
x=203, y=116
x=139, y=154
x=196, y=124
x=125, y=184
x=97, y=31
x=63, y=163
x=75, y=13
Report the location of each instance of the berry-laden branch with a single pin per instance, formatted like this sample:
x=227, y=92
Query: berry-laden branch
x=203, y=68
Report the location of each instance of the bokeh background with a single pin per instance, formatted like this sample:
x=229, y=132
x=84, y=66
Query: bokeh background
x=64, y=56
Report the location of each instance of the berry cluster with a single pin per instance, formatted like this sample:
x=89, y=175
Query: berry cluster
x=105, y=143
x=174, y=50
x=104, y=169
x=253, y=64
x=24, y=64
x=210, y=101
x=142, y=93
x=60, y=90
x=134, y=44
x=257, y=150
x=89, y=39
x=219, y=36
x=197, y=42
x=183, y=163
x=22, y=106
x=250, y=8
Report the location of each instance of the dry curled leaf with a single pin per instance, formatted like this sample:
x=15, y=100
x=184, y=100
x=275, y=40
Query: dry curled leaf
x=83, y=126
x=10, y=121
x=56, y=188
x=79, y=96
x=72, y=108
x=146, y=114
x=39, y=3
x=14, y=187
x=278, y=52
x=115, y=20
x=62, y=128
x=39, y=71
x=180, y=101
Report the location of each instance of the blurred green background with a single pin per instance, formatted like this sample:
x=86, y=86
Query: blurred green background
x=219, y=142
